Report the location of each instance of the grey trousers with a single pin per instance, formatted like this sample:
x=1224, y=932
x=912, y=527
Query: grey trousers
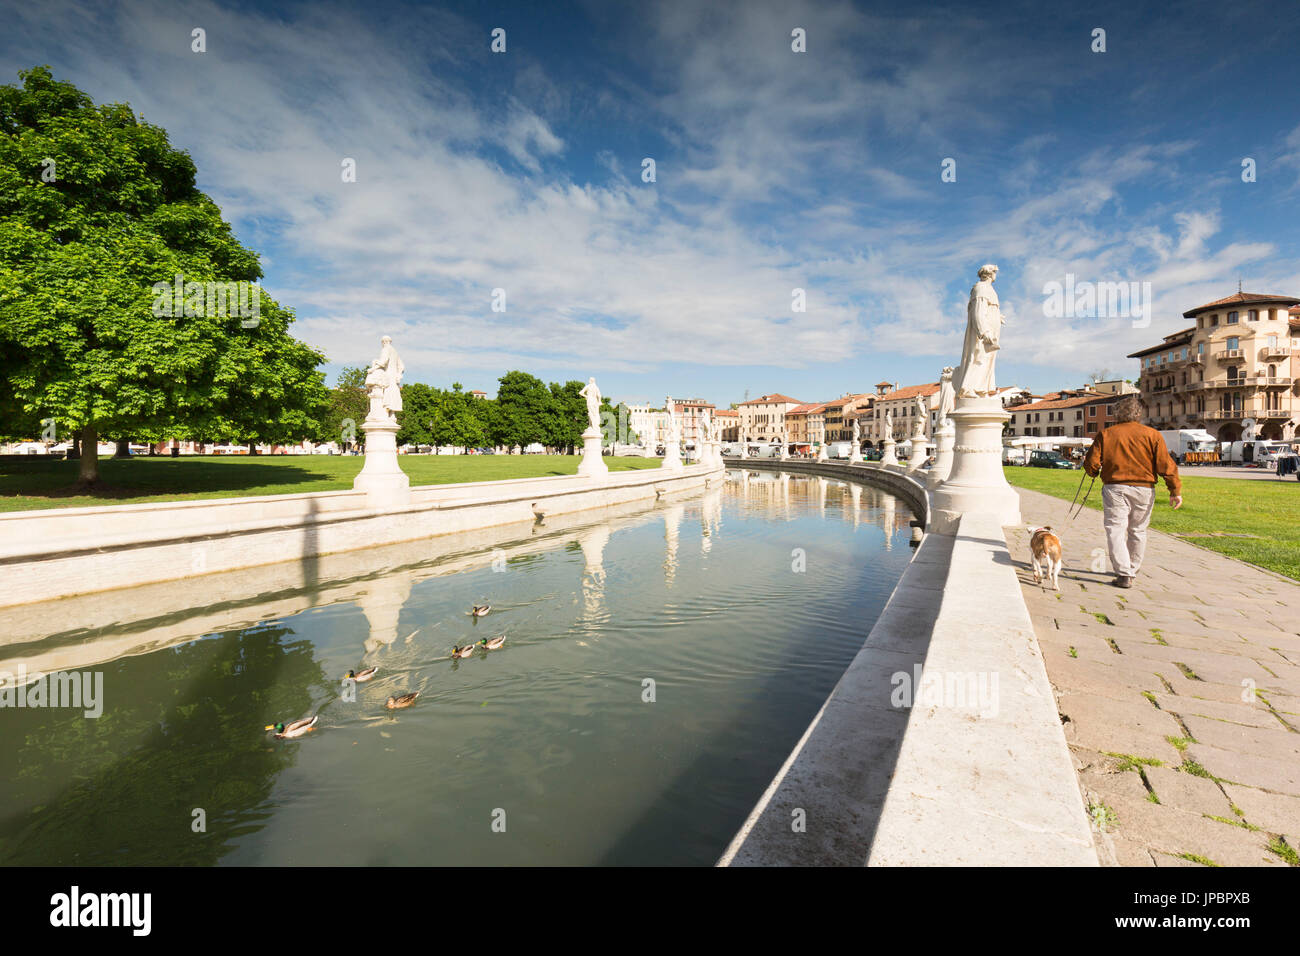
x=1126, y=514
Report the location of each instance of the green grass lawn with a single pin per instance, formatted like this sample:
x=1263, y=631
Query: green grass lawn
x=26, y=485
x=1267, y=511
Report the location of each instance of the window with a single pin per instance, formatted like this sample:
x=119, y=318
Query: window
x=1214, y=320
x=1252, y=315
x=1232, y=318
x=1234, y=342
x=1092, y=411
x=1272, y=341
x=1200, y=348
x=1184, y=354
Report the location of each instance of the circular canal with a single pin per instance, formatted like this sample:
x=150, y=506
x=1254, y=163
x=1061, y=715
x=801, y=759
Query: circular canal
x=659, y=665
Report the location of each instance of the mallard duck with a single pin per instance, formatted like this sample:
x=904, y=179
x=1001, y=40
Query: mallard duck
x=479, y=610
x=494, y=642
x=462, y=650
x=405, y=700
x=362, y=675
x=295, y=729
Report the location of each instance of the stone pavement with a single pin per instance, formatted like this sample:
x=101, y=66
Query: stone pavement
x=1180, y=696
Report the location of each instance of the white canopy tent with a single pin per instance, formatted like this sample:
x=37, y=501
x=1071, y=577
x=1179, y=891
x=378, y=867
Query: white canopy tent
x=1038, y=441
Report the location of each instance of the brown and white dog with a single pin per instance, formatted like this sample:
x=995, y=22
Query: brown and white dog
x=1045, y=547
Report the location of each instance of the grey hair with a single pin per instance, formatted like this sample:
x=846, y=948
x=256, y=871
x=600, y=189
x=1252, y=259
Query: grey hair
x=1130, y=408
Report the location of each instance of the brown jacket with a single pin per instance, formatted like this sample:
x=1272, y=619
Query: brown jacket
x=1130, y=453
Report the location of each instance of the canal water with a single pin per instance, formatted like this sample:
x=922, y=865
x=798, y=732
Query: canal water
x=659, y=666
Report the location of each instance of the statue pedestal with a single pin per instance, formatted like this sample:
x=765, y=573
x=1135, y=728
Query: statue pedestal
x=975, y=484
x=821, y=452
x=943, y=456
x=672, y=456
x=785, y=451
x=856, y=454
x=593, y=464
x=920, y=448
x=888, y=458
x=385, y=484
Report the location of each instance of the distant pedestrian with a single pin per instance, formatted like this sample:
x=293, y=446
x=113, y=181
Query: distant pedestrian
x=1130, y=457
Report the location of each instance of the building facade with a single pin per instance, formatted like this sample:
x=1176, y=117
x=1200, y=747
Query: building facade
x=900, y=403
x=1235, y=367
x=728, y=423
x=689, y=413
x=807, y=426
x=840, y=413
x=1080, y=413
x=764, y=416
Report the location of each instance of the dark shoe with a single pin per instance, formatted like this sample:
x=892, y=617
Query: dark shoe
x=1121, y=581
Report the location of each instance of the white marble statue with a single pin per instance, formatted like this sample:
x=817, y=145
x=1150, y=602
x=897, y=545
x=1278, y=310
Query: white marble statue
x=592, y=394
x=947, y=397
x=983, y=330
x=384, y=383
x=889, y=424
x=922, y=412
x=704, y=426
x=857, y=433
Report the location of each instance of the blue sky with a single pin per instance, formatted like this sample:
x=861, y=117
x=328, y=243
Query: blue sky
x=775, y=170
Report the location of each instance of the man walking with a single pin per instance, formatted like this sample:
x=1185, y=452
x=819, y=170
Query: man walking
x=1130, y=457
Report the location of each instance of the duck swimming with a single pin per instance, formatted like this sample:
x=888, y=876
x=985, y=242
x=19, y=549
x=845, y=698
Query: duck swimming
x=493, y=643
x=405, y=700
x=462, y=650
x=295, y=729
x=479, y=610
x=363, y=675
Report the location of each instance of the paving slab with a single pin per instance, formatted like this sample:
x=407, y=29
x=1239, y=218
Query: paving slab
x=1209, y=649
x=1274, y=812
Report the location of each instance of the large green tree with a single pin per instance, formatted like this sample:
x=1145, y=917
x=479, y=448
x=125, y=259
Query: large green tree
x=97, y=209
x=524, y=405
x=345, y=408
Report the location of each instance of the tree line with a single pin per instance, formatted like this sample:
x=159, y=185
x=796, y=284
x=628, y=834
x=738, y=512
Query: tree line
x=525, y=411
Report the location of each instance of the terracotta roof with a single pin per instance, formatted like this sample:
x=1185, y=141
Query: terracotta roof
x=1063, y=402
x=728, y=412
x=1170, y=341
x=1241, y=298
x=769, y=399
x=909, y=391
x=805, y=409
x=845, y=399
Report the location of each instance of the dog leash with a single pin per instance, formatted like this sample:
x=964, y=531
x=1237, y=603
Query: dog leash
x=1085, y=497
x=1075, y=499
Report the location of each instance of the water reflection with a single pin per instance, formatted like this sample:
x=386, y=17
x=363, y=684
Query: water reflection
x=593, y=573
x=551, y=727
x=672, y=525
x=382, y=605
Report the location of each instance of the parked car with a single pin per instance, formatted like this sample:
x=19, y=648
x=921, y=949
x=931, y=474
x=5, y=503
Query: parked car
x=1049, y=459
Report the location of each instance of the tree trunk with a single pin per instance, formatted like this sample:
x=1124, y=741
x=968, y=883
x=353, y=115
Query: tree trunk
x=88, y=470
x=252, y=448
x=123, y=448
